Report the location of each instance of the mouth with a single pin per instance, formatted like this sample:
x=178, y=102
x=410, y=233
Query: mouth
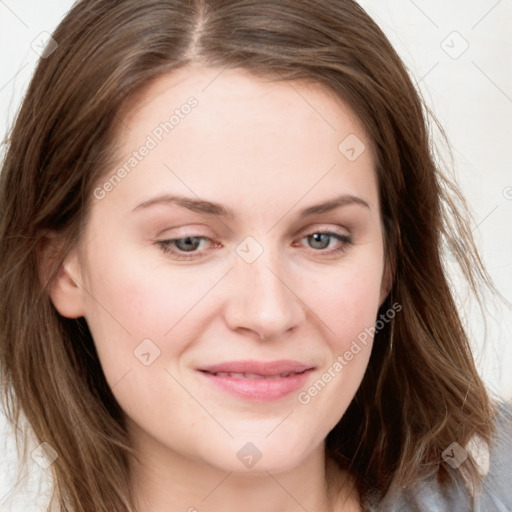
x=254, y=380
x=251, y=375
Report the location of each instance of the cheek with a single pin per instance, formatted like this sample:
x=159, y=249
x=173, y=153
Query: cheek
x=347, y=304
x=347, y=301
x=130, y=301
x=348, y=308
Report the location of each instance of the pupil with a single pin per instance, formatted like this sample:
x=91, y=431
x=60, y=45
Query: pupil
x=319, y=240
x=188, y=243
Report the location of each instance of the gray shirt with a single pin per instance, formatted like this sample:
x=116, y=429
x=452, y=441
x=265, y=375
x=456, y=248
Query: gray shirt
x=496, y=493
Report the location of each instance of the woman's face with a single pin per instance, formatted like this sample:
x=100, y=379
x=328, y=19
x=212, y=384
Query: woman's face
x=277, y=266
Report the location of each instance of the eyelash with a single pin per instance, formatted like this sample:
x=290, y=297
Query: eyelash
x=167, y=246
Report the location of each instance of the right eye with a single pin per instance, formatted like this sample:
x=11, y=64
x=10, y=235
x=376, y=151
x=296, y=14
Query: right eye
x=184, y=247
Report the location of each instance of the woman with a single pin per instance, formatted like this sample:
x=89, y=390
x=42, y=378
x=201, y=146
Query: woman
x=223, y=283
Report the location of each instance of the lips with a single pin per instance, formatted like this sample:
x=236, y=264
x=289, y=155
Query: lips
x=258, y=380
x=236, y=375
x=257, y=369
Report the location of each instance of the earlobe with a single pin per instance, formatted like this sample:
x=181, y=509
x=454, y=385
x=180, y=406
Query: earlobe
x=65, y=290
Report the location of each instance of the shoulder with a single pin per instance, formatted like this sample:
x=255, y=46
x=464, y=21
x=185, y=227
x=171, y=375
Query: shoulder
x=496, y=491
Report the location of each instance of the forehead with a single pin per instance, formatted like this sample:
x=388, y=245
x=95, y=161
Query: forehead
x=236, y=96
x=210, y=131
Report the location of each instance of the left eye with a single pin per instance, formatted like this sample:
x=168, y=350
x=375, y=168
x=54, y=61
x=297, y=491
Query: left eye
x=189, y=246
x=322, y=240
x=189, y=243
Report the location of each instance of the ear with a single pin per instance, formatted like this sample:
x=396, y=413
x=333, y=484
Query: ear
x=65, y=290
x=387, y=280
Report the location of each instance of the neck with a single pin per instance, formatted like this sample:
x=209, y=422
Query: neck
x=165, y=481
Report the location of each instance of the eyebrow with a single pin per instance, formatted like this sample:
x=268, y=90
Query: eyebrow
x=212, y=208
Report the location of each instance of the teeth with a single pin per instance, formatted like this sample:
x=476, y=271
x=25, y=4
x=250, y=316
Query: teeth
x=251, y=375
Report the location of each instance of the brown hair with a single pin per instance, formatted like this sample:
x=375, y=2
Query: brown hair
x=421, y=390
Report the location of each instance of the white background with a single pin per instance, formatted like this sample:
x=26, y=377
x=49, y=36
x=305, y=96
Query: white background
x=470, y=92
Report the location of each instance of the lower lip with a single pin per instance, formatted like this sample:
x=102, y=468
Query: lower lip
x=259, y=389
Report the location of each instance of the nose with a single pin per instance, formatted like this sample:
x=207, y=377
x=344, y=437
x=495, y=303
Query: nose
x=262, y=298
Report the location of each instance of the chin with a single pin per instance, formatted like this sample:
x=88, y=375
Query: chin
x=260, y=457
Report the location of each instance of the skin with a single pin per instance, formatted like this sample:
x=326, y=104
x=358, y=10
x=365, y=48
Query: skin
x=266, y=151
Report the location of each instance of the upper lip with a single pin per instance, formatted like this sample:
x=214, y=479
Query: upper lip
x=258, y=367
